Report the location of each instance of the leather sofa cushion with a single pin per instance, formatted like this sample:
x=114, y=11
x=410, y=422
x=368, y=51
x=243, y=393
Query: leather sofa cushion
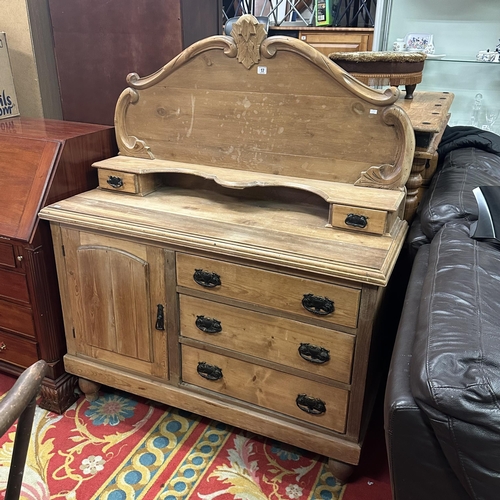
x=455, y=366
x=449, y=196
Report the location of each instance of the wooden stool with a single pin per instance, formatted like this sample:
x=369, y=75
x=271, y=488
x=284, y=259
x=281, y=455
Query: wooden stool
x=383, y=68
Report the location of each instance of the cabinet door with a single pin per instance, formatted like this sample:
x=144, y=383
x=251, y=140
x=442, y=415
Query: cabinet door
x=117, y=301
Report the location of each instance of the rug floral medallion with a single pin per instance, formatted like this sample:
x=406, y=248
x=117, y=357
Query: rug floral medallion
x=120, y=447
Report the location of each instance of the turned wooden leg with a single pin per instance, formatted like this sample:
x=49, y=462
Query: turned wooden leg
x=340, y=470
x=89, y=388
x=409, y=91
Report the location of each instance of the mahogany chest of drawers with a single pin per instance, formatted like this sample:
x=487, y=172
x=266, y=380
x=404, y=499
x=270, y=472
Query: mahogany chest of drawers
x=41, y=162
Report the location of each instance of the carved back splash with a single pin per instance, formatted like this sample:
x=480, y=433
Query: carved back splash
x=270, y=105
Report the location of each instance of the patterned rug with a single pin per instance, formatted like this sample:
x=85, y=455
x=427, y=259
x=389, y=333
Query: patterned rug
x=121, y=447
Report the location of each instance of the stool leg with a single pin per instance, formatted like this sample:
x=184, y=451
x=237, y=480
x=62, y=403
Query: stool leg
x=409, y=91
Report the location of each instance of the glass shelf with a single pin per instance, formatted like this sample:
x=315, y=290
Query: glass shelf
x=476, y=90
x=460, y=60
x=459, y=31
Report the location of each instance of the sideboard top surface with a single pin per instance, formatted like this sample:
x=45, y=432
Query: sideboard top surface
x=263, y=230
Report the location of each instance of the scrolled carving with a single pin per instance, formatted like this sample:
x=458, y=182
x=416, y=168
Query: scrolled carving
x=273, y=44
x=248, y=35
x=226, y=43
x=129, y=144
x=397, y=117
x=383, y=176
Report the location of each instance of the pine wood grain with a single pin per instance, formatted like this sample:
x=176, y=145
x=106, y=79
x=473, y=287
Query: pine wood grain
x=269, y=337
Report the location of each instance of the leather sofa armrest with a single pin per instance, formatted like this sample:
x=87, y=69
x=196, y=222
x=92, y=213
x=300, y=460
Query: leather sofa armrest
x=455, y=365
x=417, y=465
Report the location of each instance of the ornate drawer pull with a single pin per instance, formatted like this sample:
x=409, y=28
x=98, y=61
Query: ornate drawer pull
x=160, y=318
x=206, y=278
x=115, y=182
x=208, y=325
x=311, y=405
x=210, y=372
x=356, y=220
x=3, y=346
x=317, y=304
x=314, y=353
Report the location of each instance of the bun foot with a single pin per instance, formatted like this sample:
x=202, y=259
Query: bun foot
x=89, y=388
x=340, y=470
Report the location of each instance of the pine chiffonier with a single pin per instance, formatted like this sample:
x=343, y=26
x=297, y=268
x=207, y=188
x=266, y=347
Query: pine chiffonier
x=234, y=258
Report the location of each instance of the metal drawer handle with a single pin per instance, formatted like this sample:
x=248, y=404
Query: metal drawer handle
x=210, y=372
x=115, y=182
x=314, y=353
x=311, y=405
x=3, y=346
x=160, y=318
x=317, y=304
x=206, y=278
x=208, y=325
x=356, y=220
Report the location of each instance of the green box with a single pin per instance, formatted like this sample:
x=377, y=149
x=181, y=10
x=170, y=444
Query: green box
x=323, y=15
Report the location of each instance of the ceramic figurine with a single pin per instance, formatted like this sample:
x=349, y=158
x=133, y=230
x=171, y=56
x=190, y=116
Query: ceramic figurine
x=429, y=49
x=399, y=45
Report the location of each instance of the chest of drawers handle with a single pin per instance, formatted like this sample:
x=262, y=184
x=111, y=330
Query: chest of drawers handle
x=206, y=278
x=313, y=353
x=311, y=405
x=208, y=325
x=115, y=182
x=317, y=304
x=356, y=220
x=210, y=372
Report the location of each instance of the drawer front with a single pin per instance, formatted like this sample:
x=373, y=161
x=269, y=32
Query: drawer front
x=359, y=219
x=127, y=182
x=14, y=286
x=18, y=351
x=7, y=257
x=327, y=43
x=306, y=400
x=310, y=348
x=333, y=303
x=16, y=318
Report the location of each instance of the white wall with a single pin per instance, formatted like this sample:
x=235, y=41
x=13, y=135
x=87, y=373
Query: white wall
x=29, y=37
x=460, y=28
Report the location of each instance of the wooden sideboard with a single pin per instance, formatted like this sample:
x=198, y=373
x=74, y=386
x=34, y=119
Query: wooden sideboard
x=42, y=161
x=234, y=259
x=330, y=39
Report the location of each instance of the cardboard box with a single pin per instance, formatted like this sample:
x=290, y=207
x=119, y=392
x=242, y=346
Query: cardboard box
x=8, y=99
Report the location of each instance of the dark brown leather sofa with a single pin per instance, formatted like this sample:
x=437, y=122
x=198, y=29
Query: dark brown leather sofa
x=442, y=401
